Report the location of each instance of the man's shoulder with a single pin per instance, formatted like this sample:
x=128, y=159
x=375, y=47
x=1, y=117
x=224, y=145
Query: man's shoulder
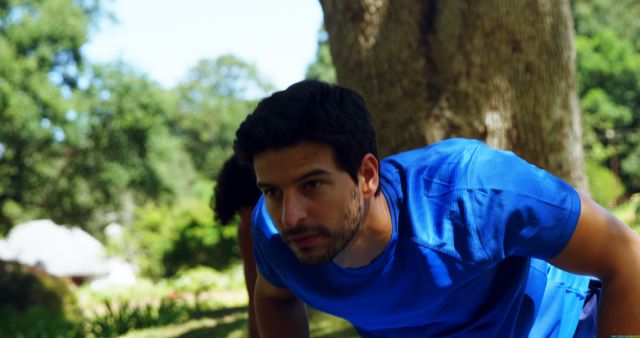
x=441, y=160
x=447, y=149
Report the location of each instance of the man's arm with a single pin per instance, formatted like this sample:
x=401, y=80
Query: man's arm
x=249, y=264
x=605, y=247
x=279, y=312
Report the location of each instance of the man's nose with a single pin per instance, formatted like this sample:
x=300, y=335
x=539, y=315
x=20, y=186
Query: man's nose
x=293, y=210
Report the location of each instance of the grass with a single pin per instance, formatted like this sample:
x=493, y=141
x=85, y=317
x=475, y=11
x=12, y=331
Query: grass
x=227, y=322
x=232, y=323
x=323, y=325
x=222, y=314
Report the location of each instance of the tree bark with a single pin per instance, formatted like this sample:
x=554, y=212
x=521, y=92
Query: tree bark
x=500, y=71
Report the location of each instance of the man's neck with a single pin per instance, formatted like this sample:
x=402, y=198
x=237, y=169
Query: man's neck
x=369, y=242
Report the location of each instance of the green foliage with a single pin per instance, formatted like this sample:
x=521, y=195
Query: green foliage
x=609, y=86
x=602, y=118
x=22, y=287
x=605, y=186
x=143, y=290
x=212, y=101
x=180, y=301
x=202, y=244
x=634, y=202
x=37, y=322
x=119, y=319
x=201, y=241
x=165, y=239
x=629, y=211
x=39, y=63
x=203, y=278
x=149, y=237
x=76, y=141
x=187, y=282
x=202, y=295
x=121, y=143
x=35, y=304
x=610, y=63
x=322, y=68
x=592, y=16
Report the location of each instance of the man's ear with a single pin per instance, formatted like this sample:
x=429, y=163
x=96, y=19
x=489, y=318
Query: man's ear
x=369, y=175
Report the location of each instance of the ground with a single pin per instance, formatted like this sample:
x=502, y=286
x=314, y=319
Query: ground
x=232, y=323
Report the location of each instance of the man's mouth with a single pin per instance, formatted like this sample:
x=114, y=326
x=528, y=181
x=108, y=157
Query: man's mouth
x=303, y=241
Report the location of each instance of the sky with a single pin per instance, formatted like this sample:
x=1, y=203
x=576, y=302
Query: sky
x=165, y=38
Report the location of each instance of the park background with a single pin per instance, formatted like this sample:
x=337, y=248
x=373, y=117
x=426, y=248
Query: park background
x=94, y=134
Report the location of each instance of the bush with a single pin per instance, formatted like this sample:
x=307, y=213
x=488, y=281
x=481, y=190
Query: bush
x=35, y=304
x=36, y=321
x=148, y=304
x=162, y=239
x=202, y=243
x=204, y=278
x=606, y=188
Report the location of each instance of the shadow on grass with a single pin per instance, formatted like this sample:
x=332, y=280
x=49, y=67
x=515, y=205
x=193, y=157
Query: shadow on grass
x=231, y=319
x=344, y=333
x=219, y=313
x=323, y=325
x=220, y=330
x=233, y=323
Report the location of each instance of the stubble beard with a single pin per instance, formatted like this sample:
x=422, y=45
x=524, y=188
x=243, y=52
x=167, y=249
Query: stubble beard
x=349, y=223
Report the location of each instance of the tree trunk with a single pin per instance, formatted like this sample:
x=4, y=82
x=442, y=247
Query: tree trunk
x=500, y=71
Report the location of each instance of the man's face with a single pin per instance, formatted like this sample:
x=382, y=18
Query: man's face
x=315, y=205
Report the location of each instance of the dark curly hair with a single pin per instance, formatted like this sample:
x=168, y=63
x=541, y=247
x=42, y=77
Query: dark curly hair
x=312, y=111
x=235, y=189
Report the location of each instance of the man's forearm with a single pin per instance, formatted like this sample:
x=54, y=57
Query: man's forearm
x=619, y=312
x=281, y=318
x=605, y=247
x=253, y=323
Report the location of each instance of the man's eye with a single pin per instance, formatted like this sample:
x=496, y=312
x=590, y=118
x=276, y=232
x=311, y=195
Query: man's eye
x=313, y=184
x=270, y=192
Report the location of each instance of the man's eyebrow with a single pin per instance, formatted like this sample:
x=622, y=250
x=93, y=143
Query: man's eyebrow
x=305, y=176
x=312, y=173
x=261, y=185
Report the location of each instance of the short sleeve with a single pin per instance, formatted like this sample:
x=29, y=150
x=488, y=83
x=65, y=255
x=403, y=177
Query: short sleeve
x=519, y=209
x=262, y=232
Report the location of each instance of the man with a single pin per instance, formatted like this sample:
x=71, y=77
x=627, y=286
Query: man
x=454, y=239
x=236, y=193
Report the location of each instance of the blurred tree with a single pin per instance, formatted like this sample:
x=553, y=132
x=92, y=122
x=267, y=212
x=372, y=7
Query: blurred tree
x=119, y=146
x=202, y=243
x=322, y=68
x=621, y=17
x=77, y=143
x=34, y=303
x=500, y=71
x=606, y=187
x=608, y=47
x=40, y=62
x=212, y=101
x=609, y=82
x=164, y=239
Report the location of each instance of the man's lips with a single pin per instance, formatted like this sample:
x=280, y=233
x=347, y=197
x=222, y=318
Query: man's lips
x=302, y=241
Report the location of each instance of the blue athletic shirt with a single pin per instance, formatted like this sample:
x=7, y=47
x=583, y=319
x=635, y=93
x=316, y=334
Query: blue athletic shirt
x=472, y=229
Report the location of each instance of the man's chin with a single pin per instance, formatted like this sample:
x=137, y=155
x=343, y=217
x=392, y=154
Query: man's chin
x=312, y=259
